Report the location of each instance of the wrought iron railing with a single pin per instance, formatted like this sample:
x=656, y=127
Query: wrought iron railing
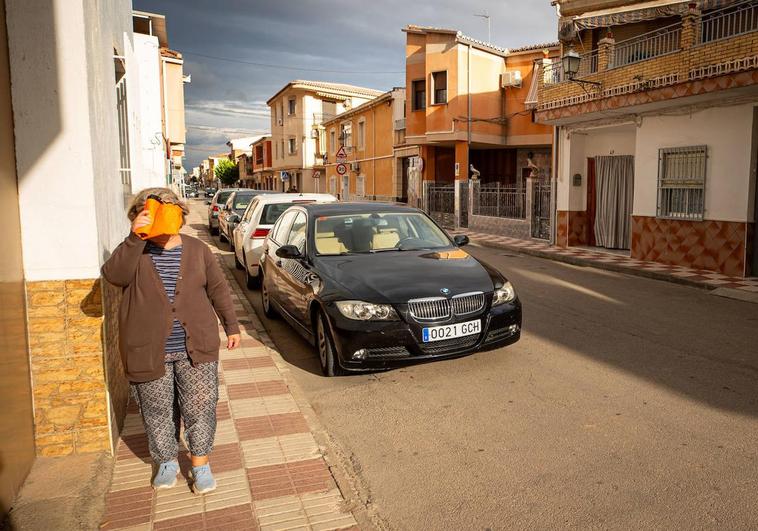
x=500, y=201
x=646, y=46
x=729, y=22
x=588, y=64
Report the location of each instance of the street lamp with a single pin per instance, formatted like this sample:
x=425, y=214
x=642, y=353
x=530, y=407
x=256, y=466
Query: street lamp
x=570, y=63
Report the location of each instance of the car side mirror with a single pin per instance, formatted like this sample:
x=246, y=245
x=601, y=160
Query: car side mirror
x=234, y=218
x=288, y=251
x=461, y=240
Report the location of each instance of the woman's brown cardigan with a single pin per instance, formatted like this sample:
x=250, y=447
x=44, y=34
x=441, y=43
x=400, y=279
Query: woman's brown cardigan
x=146, y=315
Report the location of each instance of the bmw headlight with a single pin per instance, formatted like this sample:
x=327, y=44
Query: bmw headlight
x=366, y=311
x=504, y=294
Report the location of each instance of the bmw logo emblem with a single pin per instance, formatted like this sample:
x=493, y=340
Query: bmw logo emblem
x=445, y=291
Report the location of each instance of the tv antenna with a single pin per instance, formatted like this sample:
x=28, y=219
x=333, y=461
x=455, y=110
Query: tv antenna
x=486, y=16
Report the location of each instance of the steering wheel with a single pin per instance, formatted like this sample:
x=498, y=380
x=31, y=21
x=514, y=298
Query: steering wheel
x=399, y=244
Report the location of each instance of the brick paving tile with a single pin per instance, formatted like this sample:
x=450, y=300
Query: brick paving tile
x=127, y=508
x=226, y=457
x=284, y=479
x=256, y=389
x=132, y=446
x=222, y=411
x=271, y=425
x=234, y=364
x=239, y=517
x=194, y=521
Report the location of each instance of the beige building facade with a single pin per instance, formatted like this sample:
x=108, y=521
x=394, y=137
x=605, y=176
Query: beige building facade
x=295, y=110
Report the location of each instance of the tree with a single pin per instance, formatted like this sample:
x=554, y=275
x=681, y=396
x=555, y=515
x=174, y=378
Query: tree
x=227, y=172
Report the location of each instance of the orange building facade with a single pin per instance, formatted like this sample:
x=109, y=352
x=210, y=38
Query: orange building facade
x=263, y=175
x=469, y=109
x=365, y=133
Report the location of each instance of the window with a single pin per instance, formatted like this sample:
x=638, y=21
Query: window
x=282, y=152
x=250, y=209
x=419, y=95
x=333, y=185
x=360, y=186
x=122, y=112
x=361, y=134
x=681, y=182
x=297, y=232
x=439, y=86
x=346, y=134
x=292, y=146
x=332, y=140
x=276, y=151
x=281, y=110
x=282, y=227
x=272, y=212
x=291, y=106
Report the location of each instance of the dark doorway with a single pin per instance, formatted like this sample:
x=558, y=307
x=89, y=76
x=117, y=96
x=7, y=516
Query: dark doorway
x=495, y=165
x=444, y=163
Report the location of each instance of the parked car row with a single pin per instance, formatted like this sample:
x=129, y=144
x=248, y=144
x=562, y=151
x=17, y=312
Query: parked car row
x=370, y=285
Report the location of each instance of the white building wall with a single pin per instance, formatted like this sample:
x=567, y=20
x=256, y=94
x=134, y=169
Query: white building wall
x=727, y=132
x=64, y=104
x=576, y=146
x=151, y=158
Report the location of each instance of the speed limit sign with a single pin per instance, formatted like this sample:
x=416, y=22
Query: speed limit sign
x=341, y=169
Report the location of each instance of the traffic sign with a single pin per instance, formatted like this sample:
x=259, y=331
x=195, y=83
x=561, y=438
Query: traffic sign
x=341, y=154
x=341, y=169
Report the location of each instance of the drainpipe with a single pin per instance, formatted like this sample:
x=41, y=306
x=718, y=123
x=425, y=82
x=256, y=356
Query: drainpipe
x=468, y=90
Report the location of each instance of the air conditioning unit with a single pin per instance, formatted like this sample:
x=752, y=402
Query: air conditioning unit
x=280, y=122
x=355, y=166
x=512, y=78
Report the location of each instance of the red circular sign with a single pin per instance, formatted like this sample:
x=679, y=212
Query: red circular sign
x=341, y=169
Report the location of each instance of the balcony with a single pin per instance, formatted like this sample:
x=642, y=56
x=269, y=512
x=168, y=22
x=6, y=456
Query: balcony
x=720, y=42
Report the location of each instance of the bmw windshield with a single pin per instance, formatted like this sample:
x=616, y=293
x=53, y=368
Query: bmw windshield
x=376, y=232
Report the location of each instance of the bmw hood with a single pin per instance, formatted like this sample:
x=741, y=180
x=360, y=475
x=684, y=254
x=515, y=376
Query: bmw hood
x=397, y=276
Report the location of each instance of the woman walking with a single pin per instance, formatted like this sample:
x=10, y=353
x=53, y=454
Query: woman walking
x=173, y=288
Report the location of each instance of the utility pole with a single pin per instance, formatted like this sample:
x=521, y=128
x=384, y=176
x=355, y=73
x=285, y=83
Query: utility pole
x=486, y=15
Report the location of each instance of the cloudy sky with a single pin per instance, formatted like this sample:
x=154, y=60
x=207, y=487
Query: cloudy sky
x=228, y=43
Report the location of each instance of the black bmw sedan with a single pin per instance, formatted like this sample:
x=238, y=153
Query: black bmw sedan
x=376, y=285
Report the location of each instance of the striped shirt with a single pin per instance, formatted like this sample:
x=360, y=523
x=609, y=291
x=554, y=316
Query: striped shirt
x=167, y=263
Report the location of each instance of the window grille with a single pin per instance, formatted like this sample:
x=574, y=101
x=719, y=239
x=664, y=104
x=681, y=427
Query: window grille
x=122, y=112
x=360, y=186
x=681, y=182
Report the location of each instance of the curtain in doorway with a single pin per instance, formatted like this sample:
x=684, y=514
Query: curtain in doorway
x=614, y=180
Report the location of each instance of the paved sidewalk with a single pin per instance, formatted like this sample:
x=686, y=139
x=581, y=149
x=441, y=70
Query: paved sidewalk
x=270, y=471
x=624, y=264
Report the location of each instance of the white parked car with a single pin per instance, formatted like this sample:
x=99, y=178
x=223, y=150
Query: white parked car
x=257, y=221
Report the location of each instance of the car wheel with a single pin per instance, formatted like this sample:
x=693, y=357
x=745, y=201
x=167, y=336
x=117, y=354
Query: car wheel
x=214, y=231
x=237, y=263
x=268, y=308
x=221, y=236
x=327, y=355
x=250, y=281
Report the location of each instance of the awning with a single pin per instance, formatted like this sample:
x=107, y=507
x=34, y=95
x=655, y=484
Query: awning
x=640, y=12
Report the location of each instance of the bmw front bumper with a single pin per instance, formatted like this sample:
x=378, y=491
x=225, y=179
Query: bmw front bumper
x=366, y=345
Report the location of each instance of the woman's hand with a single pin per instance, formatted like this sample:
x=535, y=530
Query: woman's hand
x=142, y=219
x=233, y=341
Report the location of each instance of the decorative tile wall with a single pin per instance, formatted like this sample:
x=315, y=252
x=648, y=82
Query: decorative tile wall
x=710, y=245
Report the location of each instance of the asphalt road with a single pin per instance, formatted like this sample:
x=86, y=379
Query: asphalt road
x=628, y=403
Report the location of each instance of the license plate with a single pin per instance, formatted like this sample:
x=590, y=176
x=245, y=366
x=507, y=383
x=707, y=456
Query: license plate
x=440, y=333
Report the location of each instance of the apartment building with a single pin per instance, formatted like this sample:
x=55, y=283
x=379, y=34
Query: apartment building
x=295, y=109
x=469, y=115
x=263, y=175
x=161, y=102
x=656, y=107
x=366, y=136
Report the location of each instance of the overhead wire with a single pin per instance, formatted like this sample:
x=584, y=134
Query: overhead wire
x=293, y=68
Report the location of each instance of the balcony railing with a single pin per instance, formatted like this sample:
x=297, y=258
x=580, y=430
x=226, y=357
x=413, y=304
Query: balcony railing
x=646, y=46
x=588, y=63
x=730, y=22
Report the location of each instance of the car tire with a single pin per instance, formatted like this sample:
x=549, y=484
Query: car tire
x=327, y=354
x=221, y=236
x=268, y=307
x=250, y=281
x=214, y=230
x=237, y=263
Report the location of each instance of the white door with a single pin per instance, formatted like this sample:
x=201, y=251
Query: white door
x=345, y=194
